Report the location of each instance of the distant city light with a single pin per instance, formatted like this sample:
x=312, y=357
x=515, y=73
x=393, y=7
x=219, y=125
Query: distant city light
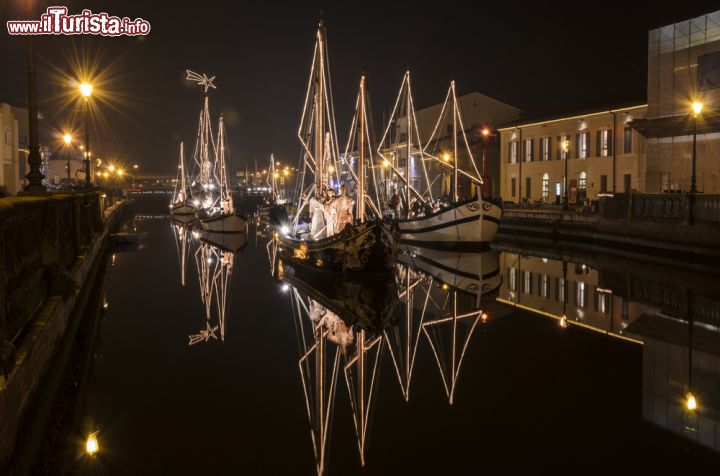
x=67, y=138
x=691, y=403
x=91, y=444
x=86, y=89
x=697, y=107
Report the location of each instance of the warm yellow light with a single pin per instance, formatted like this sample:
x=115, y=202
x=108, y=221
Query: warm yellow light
x=120, y=171
x=105, y=174
x=485, y=132
x=276, y=175
x=445, y=287
x=565, y=146
x=67, y=138
x=484, y=316
x=111, y=168
x=563, y=322
x=691, y=403
x=136, y=166
x=286, y=172
x=86, y=89
x=697, y=107
x=386, y=164
x=331, y=168
x=91, y=444
x=446, y=157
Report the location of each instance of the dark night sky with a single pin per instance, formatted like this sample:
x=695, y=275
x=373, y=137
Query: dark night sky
x=539, y=58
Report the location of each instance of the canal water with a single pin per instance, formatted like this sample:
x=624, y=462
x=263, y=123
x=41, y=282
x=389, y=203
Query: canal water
x=178, y=387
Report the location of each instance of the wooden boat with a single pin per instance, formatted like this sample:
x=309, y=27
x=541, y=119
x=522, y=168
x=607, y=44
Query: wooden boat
x=221, y=216
x=181, y=206
x=426, y=220
x=335, y=240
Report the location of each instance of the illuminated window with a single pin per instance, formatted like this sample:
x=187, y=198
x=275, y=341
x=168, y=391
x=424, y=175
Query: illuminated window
x=582, y=182
x=512, y=279
x=545, y=286
x=563, y=155
x=603, y=301
x=529, y=149
x=527, y=282
x=545, y=187
x=603, y=145
x=513, y=152
x=545, y=148
x=583, y=145
x=581, y=294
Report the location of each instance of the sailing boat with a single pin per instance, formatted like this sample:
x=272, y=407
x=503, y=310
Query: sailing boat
x=273, y=209
x=220, y=215
x=202, y=184
x=334, y=240
x=181, y=207
x=453, y=221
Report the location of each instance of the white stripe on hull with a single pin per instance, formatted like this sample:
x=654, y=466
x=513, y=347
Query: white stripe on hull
x=226, y=224
x=474, y=230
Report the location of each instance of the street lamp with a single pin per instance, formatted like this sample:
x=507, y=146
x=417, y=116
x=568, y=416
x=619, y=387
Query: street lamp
x=67, y=138
x=565, y=148
x=86, y=91
x=697, y=107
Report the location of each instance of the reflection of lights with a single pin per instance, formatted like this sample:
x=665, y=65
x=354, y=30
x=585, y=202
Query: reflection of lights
x=690, y=402
x=111, y=168
x=105, y=305
x=563, y=322
x=91, y=444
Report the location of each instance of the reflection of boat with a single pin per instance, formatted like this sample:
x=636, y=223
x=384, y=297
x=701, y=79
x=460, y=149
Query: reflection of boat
x=335, y=240
x=127, y=238
x=474, y=272
x=226, y=241
x=364, y=301
x=215, y=268
x=183, y=244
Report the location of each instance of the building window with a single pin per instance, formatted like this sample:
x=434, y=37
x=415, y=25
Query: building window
x=527, y=282
x=627, y=140
x=581, y=294
x=545, y=286
x=545, y=187
x=512, y=187
x=528, y=182
x=512, y=279
x=528, y=150
x=582, y=149
x=603, y=301
x=627, y=179
x=664, y=181
x=604, y=143
x=7, y=136
x=562, y=290
x=582, y=183
x=545, y=148
x=513, y=152
x=603, y=183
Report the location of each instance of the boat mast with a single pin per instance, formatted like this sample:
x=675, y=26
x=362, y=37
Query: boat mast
x=455, y=149
x=319, y=101
x=361, y=159
x=409, y=149
x=183, y=185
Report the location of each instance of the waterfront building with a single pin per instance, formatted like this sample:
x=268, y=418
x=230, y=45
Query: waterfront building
x=603, y=153
x=683, y=68
x=10, y=182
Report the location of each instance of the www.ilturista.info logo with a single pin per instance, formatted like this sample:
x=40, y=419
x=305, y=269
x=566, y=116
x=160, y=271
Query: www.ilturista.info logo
x=56, y=21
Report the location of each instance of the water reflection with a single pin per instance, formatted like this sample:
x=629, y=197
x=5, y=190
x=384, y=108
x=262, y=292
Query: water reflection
x=345, y=322
x=673, y=313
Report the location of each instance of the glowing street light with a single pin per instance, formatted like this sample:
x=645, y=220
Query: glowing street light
x=86, y=89
x=67, y=138
x=91, y=444
x=120, y=171
x=697, y=108
x=690, y=402
x=565, y=148
x=111, y=168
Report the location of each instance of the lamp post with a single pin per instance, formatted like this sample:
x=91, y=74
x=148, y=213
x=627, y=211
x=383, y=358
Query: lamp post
x=565, y=149
x=697, y=109
x=86, y=92
x=34, y=176
x=67, y=138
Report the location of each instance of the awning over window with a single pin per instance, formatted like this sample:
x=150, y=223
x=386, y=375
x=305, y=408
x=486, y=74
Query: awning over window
x=671, y=126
